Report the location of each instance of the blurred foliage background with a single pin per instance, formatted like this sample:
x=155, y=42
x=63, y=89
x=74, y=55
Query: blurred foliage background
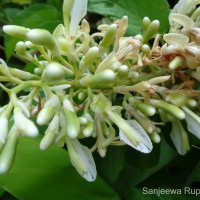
x=124, y=172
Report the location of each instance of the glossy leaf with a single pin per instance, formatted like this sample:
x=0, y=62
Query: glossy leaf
x=49, y=175
x=136, y=10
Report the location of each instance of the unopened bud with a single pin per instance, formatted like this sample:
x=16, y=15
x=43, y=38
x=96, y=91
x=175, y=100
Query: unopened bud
x=88, y=129
x=151, y=30
x=8, y=153
x=146, y=22
x=41, y=37
x=48, y=111
x=155, y=137
x=175, y=62
x=53, y=72
x=123, y=71
x=16, y=31
x=106, y=76
x=72, y=124
x=108, y=37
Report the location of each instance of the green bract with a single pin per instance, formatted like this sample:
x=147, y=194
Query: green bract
x=78, y=80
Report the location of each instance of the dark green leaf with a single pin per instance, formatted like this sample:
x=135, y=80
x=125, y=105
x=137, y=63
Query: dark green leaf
x=136, y=10
x=112, y=164
x=49, y=175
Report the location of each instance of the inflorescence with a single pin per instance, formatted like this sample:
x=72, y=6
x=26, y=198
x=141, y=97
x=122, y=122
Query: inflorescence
x=109, y=90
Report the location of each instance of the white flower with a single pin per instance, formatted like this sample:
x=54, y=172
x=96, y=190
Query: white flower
x=81, y=158
x=132, y=133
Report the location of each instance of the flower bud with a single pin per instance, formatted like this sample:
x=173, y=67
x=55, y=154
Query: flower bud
x=145, y=48
x=151, y=30
x=146, y=22
x=8, y=153
x=16, y=31
x=89, y=58
x=49, y=109
x=3, y=129
x=106, y=76
x=148, y=110
x=51, y=133
x=109, y=37
x=53, y=72
x=123, y=71
x=174, y=110
x=155, y=137
x=72, y=124
x=20, y=49
x=23, y=124
x=177, y=98
x=88, y=129
x=41, y=37
x=176, y=62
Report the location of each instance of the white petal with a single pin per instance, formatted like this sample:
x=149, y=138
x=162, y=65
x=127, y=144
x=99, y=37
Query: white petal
x=176, y=39
x=179, y=138
x=193, y=122
x=86, y=156
x=145, y=146
x=78, y=11
x=182, y=20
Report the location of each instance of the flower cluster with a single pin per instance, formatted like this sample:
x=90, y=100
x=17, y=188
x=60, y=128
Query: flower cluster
x=109, y=90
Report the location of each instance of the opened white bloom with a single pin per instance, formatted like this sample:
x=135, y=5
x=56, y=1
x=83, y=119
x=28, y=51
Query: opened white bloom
x=78, y=11
x=179, y=137
x=81, y=158
x=193, y=122
x=131, y=132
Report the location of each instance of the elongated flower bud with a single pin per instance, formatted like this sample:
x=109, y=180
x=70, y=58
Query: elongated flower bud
x=51, y=133
x=16, y=31
x=108, y=37
x=3, y=129
x=151, y=30
x=8, y=153
x=106, y=76
x=174, y=110
x=23, y=124
x=72, y=123
x=88, y=129
x=41, y=37
x=48, y=111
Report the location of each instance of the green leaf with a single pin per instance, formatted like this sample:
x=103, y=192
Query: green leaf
x=112, y=164
x=136, y=10
x=35, y=16
x=135, y=172
x=194, y=175
x=1, y=191
x=49, y=175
